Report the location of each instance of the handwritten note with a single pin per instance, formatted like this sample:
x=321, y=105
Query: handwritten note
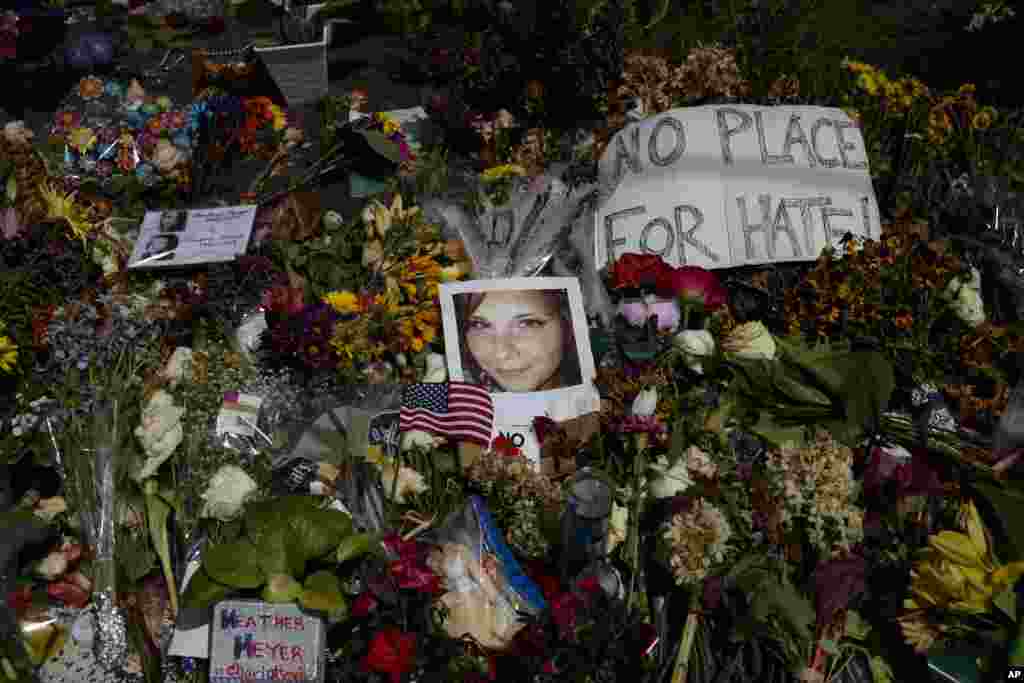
x=253, y=641
x=725, y=186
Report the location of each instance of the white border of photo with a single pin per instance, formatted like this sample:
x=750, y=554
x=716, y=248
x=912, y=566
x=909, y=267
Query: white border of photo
x=514, y=412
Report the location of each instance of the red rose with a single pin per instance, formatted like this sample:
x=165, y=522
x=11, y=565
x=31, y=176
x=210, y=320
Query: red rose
x=637, y=270
x=692, y=283
x=391, y=652
x=363, y=605
x=411, y=575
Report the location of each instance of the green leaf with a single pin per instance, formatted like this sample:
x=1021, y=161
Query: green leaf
x=322, y=593
x=1008, y=507
x=203, y=591
x=134, y=556
x=143, y=43
x=380, y=144
x=1007, y=603
x=236, y=564
x=158, y=513
x=12, y=188
x=355, y=546
x=829, y=646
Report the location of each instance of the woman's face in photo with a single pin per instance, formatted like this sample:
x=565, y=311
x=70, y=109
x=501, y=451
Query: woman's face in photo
x=168, y=220
x=516, y=338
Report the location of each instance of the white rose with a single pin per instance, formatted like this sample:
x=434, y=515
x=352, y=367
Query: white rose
x=410, y=482
x=966, y=298
x=665, y=480
x=53, y=566
x=419, y=439
x=178, y=365
x=227, y=492
x=160, y=432
x=645, y=403
x=166, y=156
x=617, y=526
x=697, y=345
x=751, y=341
x=436, y=371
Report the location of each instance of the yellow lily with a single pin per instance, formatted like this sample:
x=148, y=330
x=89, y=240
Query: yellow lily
x=959, y=571
x=382, y=217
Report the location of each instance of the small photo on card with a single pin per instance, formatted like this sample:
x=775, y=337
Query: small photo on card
x=526, y=340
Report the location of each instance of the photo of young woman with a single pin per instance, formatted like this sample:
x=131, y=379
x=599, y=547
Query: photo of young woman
x=517, y=340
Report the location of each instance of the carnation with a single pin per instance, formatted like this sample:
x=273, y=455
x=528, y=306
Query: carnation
x=697, y=540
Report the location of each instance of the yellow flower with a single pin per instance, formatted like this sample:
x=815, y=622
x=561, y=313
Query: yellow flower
x=984, y=118
x=279, y=121
x=503, y=171
x=379, y=218
x=868, y=82
x=375, y=454
x=343, y=302
x=8, y=354
x=63, y=206
x=82, y=139
x=389, y=125
x=958, y=569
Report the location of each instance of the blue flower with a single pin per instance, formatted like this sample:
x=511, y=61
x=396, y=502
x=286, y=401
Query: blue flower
x=145, y=172
x=113, y=89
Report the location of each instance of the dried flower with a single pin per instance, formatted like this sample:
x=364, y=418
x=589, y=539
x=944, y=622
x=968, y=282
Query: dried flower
x=697, y=540
x=90, y=88
x=751, y=341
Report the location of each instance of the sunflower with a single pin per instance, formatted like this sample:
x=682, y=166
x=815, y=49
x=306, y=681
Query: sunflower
x=61, y=205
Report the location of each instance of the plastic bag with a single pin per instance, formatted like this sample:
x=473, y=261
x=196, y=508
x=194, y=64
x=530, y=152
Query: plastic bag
x=487, y=592
x=343, y=435
x=520, y=237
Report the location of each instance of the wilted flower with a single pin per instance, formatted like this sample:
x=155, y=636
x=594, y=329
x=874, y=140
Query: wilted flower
x=750, y=341
x=666, y=480
x=227, y=492
x=178, y=365
x=90, y=88
x=17, y=134
x=693, y=284
x=160, y=432
x=966, y=298
x=410, y=482
x=697, y=539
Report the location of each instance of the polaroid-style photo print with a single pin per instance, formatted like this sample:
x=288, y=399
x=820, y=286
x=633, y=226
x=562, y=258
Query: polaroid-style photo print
x=182, y=238
x=526, y=340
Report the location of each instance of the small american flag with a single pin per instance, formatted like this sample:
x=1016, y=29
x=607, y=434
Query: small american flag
x=458, y=410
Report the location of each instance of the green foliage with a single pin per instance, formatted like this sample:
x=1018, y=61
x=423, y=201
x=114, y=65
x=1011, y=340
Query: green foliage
x=842, y=391
x=280, y=537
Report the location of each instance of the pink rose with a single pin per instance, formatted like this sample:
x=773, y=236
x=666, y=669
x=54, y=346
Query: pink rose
x=637, y=311
x=693, y=283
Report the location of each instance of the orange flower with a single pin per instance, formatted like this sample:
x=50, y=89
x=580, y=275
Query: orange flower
x=904, y=320
x=90, y=88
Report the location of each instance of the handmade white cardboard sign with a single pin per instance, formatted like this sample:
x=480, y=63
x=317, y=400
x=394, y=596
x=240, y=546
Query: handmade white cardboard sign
x=251, y=640
x=734, y=185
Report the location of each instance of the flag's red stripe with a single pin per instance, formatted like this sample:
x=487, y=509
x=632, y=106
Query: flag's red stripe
x=409, y=422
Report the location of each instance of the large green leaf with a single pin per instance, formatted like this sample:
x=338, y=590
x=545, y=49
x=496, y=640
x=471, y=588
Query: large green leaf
x=355, y=546
x=203, y=591
x=380, y=144
x=322, y=593
x=237, y=564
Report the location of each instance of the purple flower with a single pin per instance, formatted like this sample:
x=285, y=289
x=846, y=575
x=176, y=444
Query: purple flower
x=745, y=470
x=640, y=424
x=908, y=477
x=713, y=587
x=836, y=583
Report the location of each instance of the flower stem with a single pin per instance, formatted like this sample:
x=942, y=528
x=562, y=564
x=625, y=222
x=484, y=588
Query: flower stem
x=682, y=666
x=633, y=546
